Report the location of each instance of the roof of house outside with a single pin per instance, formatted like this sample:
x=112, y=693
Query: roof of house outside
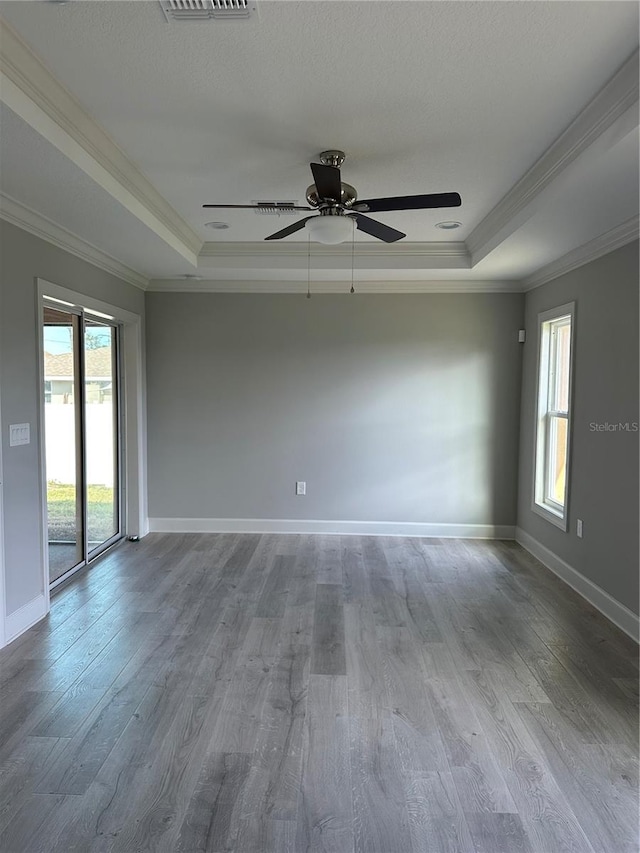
x=97, y=364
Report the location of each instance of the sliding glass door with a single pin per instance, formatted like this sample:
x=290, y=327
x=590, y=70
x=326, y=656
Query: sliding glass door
x=81, y=405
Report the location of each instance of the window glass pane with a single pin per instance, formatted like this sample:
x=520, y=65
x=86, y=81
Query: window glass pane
x=562, y=353
x=557, y=459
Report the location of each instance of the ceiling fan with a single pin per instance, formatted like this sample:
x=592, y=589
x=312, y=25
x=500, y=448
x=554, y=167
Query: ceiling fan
x=340, y=211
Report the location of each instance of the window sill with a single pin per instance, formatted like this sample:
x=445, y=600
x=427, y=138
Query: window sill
x=551, y=516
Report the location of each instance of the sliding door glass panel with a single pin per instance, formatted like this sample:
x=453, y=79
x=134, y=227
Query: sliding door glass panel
x=101, y=433
x=63, y=451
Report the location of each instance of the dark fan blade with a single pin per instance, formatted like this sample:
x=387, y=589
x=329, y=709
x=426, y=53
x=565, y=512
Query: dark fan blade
x=290, y=229
x=377, y=229
x=408, y=202
x=258, y=206
x=327, y=181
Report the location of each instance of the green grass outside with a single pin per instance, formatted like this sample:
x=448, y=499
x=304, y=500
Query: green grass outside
x=61, y=506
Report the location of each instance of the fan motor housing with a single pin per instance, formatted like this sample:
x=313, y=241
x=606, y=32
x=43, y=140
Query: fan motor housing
x=348, y=195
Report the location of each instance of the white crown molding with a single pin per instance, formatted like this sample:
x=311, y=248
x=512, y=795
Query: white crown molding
x=349, y=528
x=272, y=258
x=32, y=92
x=615, y=103
x=619, y=236
x=35, y=223
x=342, y=250
x=317, y=287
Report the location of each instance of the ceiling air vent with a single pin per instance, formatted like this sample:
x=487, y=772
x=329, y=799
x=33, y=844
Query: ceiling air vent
x=276, y=207
x=205, y=10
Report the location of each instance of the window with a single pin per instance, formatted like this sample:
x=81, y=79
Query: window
x=555, y=355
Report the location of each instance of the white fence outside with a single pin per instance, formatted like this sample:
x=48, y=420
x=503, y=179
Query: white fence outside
x=60, y=443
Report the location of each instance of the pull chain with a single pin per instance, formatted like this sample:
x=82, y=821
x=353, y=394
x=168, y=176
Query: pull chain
x=353, y=249
x=309, y=266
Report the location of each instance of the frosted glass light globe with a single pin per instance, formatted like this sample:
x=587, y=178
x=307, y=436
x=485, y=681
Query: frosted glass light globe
x=330, y=229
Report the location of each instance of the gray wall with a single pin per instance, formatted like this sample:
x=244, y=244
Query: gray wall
x=392, y=408
x=604, y=465
x=24, y=257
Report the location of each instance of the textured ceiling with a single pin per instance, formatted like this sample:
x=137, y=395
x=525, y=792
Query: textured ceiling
x=423, y=96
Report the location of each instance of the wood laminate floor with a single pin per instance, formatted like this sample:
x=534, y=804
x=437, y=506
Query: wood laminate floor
x=287, y=694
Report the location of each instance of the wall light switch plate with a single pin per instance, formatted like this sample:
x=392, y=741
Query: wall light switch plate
x=579, y=528
x=301, y=487
x=19, y=434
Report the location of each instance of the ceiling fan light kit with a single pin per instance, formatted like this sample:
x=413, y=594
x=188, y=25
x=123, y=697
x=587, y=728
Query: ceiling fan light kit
x=330, y=229
x=340, y=211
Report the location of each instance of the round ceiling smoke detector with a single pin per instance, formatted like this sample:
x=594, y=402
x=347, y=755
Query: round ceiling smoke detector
x=448, y=225
x=218, y=226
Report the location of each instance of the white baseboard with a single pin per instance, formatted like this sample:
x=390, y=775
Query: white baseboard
x=610, y=607
x=356, y=528
x=20, y=620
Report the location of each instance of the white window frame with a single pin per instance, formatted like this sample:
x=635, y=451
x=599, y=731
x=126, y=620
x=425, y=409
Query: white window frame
x=555, y=513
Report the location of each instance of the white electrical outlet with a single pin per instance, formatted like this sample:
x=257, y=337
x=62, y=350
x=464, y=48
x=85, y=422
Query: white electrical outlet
x=301, y=487
x=579, y=528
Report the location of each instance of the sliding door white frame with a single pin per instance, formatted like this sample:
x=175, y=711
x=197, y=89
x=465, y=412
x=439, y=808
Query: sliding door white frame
x=134, y=512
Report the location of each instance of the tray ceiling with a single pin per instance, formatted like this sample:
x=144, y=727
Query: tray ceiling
x=423, y=97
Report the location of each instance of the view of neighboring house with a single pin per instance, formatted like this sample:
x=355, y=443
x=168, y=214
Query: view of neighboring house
x=60, y=415
x=59, y=372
